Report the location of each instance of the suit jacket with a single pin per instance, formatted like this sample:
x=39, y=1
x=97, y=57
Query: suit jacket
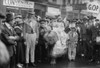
x=19, y=32
x=6, y=32
x=95, y=32
x=73, y=38
x=29, y=28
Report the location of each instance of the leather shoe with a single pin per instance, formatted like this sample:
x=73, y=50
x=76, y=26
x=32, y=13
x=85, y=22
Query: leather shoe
x=34, y=65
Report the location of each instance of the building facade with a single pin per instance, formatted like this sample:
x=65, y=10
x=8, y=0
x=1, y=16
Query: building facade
x=18, y=6
x=57, y=2
x=54, y=7
x=77, y=7
x=2, y=7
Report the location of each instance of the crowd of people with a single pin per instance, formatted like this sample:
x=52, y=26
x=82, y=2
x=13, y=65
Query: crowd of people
x=36, y=40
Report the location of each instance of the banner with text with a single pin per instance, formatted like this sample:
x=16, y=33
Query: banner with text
x=53, y=11
x=93, y=7
x=18, y=3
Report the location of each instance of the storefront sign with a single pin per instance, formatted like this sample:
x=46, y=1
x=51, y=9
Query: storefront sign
x=93, y=7
x=69, y=8
x=53, y=11
x=79, y=6
x=18, y=3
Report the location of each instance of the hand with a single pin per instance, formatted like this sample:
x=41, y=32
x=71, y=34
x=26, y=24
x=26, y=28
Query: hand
x=25, y=43
x=80, y=39
x=90, y=41
x=16, y=37
x=11, y=37
x=15, y=43
x=22, y=34
x=36, y=42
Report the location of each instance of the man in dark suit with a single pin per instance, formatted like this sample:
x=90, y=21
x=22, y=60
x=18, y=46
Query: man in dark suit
x=8, y=36
x=4, y=55
x=96, y=41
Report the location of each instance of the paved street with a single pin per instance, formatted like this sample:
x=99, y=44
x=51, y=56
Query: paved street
x=66, y=64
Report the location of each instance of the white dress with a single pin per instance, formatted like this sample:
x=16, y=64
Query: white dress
x=60, y=47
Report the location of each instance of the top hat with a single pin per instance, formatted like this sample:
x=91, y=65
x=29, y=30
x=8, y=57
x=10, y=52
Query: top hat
x=18, y=16
x=42, y=20
x=97, y=20
x=9, y=17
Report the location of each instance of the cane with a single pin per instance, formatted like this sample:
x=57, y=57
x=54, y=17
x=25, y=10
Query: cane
x=14, y=56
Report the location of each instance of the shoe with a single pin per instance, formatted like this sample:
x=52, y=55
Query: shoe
x=73, y=60
x=39, y=61
x=98, y=62
x=53, y=62
x=91, y=60
x=19, y=65
x=33, y=64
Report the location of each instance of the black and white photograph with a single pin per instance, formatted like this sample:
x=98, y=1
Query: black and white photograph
x=49, y=33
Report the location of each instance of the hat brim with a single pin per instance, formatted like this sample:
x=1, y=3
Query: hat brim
x=42, y=21
x=32, y=13
x=97, y=20
x=18, y=17
x=2, y=16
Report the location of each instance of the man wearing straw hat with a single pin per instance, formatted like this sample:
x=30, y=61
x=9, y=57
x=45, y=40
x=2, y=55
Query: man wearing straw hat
x=73, y=38
x=31, y=35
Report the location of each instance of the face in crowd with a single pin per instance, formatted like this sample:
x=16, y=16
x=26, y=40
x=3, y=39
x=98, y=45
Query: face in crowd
x=73, y=29
x=31, y=15
x=10, y=19
x=97, y=22
x=18, y=19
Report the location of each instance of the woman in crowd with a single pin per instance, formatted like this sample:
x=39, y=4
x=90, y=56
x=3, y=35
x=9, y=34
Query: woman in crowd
x=20, y=57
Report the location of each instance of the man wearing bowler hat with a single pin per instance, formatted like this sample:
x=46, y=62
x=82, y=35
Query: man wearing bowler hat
x=4, y=54
x=9, y=37
x=31, y=36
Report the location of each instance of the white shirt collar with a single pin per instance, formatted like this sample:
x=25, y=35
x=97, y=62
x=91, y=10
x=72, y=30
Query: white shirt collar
x=8, y=25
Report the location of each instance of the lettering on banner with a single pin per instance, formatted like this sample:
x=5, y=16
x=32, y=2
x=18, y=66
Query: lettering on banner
x=18, y=3
x=93, y=7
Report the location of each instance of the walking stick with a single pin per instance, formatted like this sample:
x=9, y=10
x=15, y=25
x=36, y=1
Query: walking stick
x=14, y=56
